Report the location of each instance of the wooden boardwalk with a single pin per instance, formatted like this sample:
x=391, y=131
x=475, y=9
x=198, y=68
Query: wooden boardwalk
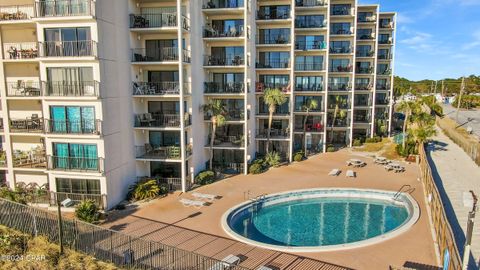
x=215, y=246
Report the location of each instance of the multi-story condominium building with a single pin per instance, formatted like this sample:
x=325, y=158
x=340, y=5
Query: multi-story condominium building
x=95, y=94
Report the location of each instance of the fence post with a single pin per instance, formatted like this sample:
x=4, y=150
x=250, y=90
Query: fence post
x=111, y=246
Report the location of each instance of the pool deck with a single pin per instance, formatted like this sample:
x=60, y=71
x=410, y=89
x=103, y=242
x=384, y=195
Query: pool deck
x=166, y=220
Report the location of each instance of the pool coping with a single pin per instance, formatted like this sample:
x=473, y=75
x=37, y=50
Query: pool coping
x=411, y=205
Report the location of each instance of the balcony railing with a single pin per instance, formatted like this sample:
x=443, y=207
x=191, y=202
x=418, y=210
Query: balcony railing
x=343, y=11
x=385, y=72
x=160, y=120
x=23, y=89
x=341, y=50
x=63, y=8
x=310, y=3
x=157, y=20
x=387, y=56
x=220, y=139
x=339, y=87
x=342, y=32
x=22, y=50
x=361, y=119
x=158, y=88
x=17, y=12
x=233, y=114
x=261, y=86
x=274, y=63
x=71, y=89
x=363, y=86
x=52, y=198
x=224, y=88
x=304, y=24
x=388, y=25
x=273, y=39
x=273, y=16
x=348, y=68
x=383, y=87
x=228, y=167
x=343, y=104
x=85, y=127
x=158, y=152
x=31, y=159
x=93, y=164
x=385, y=41
x=274, y=133
x=166, y=54
x=310, y=45
x=309, y=66
x=213, y=4
x=223, y=33
x=339, y=122
x=280, y=111
x=364, y=70
x=382, y=101
x=27, y=125
x=365, y=53
x=301, y=107
x=362, y=102
x=218, y=60
x=366, y=37
x=77, y=48
x=309, y=88
x=367, y=19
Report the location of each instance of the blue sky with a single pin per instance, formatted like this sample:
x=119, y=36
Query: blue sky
x=435, y=38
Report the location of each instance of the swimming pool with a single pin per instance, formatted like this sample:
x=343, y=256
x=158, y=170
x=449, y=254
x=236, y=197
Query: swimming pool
x=321, y=219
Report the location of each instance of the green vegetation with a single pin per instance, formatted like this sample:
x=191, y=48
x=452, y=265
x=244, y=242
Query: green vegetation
x=256, y=168
x=451, y=86
x=23, y=193
x=357, y=142
x=146, y=189
x=87, y=211
x=468, y=102
x=298, y=156
x=309, y=106
x=339, y=102
x=216, y=110
x=272, y=98
x=43, y=254
x=272, y=159
x=375, y=139
x=330, y=148
x=205, y=177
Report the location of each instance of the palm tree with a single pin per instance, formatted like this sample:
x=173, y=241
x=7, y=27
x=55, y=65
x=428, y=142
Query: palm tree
x=424, y=128
x=310, y=105
x=272, y=97
x=408, y=108
x=216, y=110
x=339, y=101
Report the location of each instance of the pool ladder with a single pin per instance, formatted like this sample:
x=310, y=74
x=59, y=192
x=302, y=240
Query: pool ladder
x=404, y=189
x=248, y=196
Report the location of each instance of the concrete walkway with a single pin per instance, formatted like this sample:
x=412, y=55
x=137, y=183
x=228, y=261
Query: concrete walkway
x=455, y=173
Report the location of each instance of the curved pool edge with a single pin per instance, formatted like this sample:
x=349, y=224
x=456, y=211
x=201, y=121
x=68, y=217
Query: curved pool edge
x=358, y=244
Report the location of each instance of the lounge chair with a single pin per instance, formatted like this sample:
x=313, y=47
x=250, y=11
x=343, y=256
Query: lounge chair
x=351, y=173
x=263, y=267
x=187, y=203
x=388, y=167
x=334, y=172
x=226, y=263
x=203, y=196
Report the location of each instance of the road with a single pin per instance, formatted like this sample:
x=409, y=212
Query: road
x=455, y=173
x=470, y=118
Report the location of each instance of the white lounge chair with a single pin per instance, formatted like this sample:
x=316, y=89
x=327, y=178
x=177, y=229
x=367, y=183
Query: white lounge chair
x=351, y=173
x=334, y=172
x=187, y=203
x=203, y=196
x=263, y=267
x=226, y=263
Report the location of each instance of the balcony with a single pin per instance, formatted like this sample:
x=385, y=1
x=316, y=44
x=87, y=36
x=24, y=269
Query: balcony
x=273, y=16
x=338, y=122
x=385, y=56
x=387, y=25
x=363, y=86
x=17, y=12
x=71, y=89
x=220, y=4
x=81, y=164
x=20, y=51
x=273, y=40
x=309, y=24
x=79, y=48
x=274, y=63
x=34, y=158
x=224, y=88
x=309, y=88
x=218, y=60
x=367, y=19
x=65, y=8
x=348, y=68
x=365, y=53
x=79, y=127
x=342, y=11
x=279, y=111
x=361, y=119
x=385, y=72
x=386, y=41
x=160, y=120
x=52, y=198
x=309, y=67
x=342, y=32
x=382, y=101
x=339, y=87
x=274, y=133
x=158, y=20
x=149, y=151
x=232, y=32
x=370, y=36
x=311, y=3
x=22, y=88
x=232, y=114
x=225, y=140
x=341, y=50
x=364, y=102
x=227, y=167
x=166, y=54
x=364, y=70
x=310, y=45
x=158, y=88
x=28, y=125
x=261, y=86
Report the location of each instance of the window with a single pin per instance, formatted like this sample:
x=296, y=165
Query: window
x=162, y=76
x=75, y=156
x=309, y=42
x=340, y=47
x=308, y=62
x=364, y=34
x=162, y=49
x=340, y=65
x=310, y=21
x=275, y=81
x=341, y=9
x=364, y=51
x=308, y=83
x=49, y=8
x=340, y=29
x=164, y=138
x=365, y=16
x=300, y=101
x=78, y=186
x=72, y=119
x=228, y=53
x=273, y=12
x=273, y=60
x=338, y=83
x=228, y=26
x=274, y=36
x=68, y=42
x=70, y=81
x=384, y=39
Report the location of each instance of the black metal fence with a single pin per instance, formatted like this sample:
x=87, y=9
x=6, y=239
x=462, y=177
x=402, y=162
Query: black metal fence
x=107, y=245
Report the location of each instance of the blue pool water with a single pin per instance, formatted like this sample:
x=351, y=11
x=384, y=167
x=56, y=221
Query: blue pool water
x=318, y=221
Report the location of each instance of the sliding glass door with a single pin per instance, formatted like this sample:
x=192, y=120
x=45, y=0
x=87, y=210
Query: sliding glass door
x=75, y=156
x=75, y=41
x=73, y=119
x=70, y=81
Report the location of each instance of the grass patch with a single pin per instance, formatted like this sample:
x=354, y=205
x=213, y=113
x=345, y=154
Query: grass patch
x=372, y=147
x=43, y=255
x=450, y=125
x=390, y=152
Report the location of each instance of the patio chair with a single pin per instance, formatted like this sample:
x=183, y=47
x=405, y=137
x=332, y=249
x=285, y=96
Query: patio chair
x=334, y=172
x=196, y=204
x=351, y=173
x=203, y=196
x=226, y=263
x=399, y=169
x=388, y=167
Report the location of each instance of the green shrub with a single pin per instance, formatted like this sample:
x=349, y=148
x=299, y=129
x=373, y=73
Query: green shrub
x=144, y=189
x=330, y=148
x=357, y=142
x=205, y=177
x=298, y=156
x=259, y=161
x=272, y=159
x=256, y=168
x=87, y=211
x=410, y=149
x=375, y=139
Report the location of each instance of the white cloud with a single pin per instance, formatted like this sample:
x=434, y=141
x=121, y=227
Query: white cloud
x=404, y=19
x=419, y=41
x=475, y=42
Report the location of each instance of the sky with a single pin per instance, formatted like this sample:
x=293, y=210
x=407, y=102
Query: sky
x=436, y=39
